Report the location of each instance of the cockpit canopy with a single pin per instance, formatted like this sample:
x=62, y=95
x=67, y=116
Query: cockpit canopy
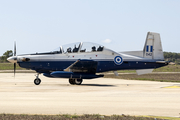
x=71, y=48
x=79, y=47
x=91, y=47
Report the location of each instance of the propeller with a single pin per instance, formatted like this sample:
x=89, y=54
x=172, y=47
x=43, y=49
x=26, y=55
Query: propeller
x=15, y=48
x=15, y=58
x=14, y=69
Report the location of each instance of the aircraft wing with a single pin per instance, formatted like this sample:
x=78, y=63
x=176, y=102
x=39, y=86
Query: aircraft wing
x=83, y=66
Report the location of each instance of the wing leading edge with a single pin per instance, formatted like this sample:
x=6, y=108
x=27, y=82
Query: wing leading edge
x=83, y=66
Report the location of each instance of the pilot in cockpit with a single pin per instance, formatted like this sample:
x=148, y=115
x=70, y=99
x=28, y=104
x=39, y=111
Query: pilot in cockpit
x=93, y=48
x=100, y=48
x=69, y=50
x=75, y=49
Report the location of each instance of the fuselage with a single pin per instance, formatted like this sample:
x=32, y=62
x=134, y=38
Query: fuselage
x=48, y=62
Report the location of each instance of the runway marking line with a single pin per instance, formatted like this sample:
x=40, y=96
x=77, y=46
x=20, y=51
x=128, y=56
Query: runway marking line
x=174, y=86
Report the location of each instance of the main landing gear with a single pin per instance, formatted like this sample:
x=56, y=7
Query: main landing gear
x=37, y=81
x=72, y=81
x=75, y=81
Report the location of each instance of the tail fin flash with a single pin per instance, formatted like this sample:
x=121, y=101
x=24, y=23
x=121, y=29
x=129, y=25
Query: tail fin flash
x=153, y=48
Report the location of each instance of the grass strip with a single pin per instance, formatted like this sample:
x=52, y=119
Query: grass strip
x=161, y=77
x=78, y=117
x=9, y=66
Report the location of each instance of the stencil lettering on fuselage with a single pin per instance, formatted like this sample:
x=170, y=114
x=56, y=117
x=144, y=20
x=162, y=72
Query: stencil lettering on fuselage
x=118, y=60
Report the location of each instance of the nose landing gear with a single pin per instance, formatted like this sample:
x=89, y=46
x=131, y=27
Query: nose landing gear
x=37, y=81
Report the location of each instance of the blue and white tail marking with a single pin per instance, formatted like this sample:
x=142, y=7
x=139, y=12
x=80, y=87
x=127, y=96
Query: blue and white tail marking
x=149, y=48
x=153, y=47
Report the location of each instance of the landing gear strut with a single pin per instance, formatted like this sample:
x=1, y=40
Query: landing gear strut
x=37, y=81
x=75, y=81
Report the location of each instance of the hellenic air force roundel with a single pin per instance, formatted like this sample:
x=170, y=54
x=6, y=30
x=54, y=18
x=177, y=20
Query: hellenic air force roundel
x=118, y=60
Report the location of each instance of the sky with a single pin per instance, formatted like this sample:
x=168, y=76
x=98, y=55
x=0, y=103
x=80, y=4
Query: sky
x=121, y=25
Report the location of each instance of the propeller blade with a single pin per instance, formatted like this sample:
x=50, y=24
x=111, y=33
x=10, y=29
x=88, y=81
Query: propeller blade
x=15, y=58
x=14, y=48
x=14, y=69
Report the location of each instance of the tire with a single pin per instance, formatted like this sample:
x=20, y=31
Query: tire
x=78, y=81
x=72, y=81
x=37, y=81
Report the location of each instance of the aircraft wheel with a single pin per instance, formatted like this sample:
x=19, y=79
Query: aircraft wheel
x=72, y=81
x=37, y=81
x=78, y=81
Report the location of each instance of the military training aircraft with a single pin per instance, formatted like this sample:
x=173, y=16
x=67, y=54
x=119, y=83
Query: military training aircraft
x=83, y=60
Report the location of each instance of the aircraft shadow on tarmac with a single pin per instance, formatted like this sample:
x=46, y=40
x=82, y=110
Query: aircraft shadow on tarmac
x=98, y=85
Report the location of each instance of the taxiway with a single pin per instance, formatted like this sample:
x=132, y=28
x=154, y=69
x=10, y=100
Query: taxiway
x=103, y=96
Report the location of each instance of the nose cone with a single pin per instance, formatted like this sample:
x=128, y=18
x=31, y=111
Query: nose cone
x=12, y=59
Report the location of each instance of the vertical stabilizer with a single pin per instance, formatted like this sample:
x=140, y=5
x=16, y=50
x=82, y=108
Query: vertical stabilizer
x=153, y=48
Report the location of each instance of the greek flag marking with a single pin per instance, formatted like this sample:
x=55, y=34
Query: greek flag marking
x=149, y=48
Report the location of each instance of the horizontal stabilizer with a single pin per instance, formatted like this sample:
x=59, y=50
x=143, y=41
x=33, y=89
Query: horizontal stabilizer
x=164, y=62
x=134, y=53
x=143, y=71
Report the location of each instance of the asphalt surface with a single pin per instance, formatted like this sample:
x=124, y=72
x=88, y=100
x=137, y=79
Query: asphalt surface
x=103, y=96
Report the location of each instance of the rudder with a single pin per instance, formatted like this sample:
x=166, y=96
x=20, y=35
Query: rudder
x=153, y=48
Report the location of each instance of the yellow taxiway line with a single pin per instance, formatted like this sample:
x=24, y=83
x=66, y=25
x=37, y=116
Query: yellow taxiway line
x=174, y=86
